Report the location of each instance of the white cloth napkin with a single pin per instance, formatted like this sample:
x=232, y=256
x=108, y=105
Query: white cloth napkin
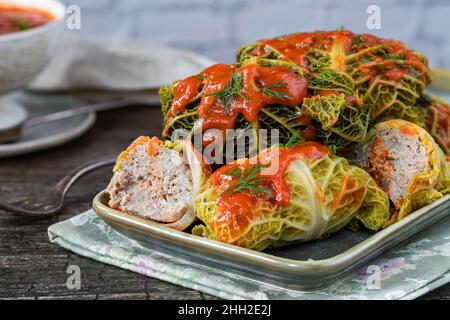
x=108, y=64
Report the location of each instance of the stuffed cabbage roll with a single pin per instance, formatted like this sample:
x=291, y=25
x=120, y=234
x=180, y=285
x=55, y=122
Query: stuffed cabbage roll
x=407, y=164
x=158, y=181
x=365, y=78
x=438, y=122
x=246, y=98
x=287, y=195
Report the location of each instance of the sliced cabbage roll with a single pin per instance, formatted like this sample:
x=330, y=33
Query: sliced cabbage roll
x=407, y=164
x=158, y=181
x=287, y=195
x=438, y=122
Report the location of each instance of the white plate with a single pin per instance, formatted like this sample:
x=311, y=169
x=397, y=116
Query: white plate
x=51, y=134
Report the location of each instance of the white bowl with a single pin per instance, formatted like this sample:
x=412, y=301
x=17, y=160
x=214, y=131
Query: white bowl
x=24, y=54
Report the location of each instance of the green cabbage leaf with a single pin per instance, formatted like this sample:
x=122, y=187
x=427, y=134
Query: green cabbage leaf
x=325, y=195
x=357, y=66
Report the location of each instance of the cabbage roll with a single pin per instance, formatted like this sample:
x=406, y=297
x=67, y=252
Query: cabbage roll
x=407, y=164
x=246, y=98
x=287, y=195
x=360, y=78
x=438, y=122
x=158, y=181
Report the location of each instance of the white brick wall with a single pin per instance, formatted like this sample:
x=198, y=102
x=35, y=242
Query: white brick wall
x=217, y=28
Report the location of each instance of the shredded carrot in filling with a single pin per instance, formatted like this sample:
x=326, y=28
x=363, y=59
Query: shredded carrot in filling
x=380, y=169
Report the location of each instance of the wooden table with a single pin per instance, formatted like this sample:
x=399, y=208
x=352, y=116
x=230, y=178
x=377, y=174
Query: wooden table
x=33, y=268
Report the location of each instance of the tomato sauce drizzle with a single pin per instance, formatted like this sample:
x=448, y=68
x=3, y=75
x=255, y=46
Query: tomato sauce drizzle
x=294, y=48
x=211, y=111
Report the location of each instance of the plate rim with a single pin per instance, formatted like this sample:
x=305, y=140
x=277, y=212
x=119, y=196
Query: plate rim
x=21, y=148
x=309, y=267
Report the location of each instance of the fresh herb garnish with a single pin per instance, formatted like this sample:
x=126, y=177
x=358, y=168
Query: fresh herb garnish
x=316, y=65
x=248, y=181
x=199, y=77
x=269, y=90
x=333, y=147
x=22, y=25
x=293, y=140
x=234, y=172
x=341, y=28
x=394, y=56
x=390, y=158
x=324, y=78
x=356, y=40
x=231, y=91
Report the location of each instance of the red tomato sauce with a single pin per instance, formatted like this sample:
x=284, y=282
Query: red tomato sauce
x=294, y=48
x=211, y=111
x=236, y=210
x=19, y=18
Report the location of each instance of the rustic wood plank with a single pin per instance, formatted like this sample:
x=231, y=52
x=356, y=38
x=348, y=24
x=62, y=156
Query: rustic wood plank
x=33, y=268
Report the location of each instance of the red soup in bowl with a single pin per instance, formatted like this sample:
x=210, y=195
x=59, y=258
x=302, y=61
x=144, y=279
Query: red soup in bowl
x=15, y=18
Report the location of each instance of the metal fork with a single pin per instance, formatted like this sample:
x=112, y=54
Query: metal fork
x=44, y=205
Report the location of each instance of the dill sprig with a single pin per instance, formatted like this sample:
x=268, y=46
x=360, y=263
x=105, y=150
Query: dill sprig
x=356, y=40
x=234, y=172
x=323, y=78
x=333, y=147
x=293, y=140
x=316, y=65
x=394, y=56
x=269, y=90
x=199, y=76
x=248, y=181
x=231, y=91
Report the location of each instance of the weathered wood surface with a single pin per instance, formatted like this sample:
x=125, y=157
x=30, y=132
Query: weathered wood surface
x=33, y=268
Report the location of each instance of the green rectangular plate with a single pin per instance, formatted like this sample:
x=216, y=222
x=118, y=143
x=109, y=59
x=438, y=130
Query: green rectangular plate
x=305, y=266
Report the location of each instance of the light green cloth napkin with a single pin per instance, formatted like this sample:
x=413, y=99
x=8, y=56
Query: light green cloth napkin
x=406, y=272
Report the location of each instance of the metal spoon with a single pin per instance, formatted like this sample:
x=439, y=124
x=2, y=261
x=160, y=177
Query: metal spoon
x=43, y=205
x=15, y=133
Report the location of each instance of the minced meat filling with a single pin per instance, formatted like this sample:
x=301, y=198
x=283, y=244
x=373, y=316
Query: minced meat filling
x=157, y=188
x=393, y=159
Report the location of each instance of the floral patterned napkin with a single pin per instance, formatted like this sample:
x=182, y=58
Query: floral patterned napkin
x=419, y=265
